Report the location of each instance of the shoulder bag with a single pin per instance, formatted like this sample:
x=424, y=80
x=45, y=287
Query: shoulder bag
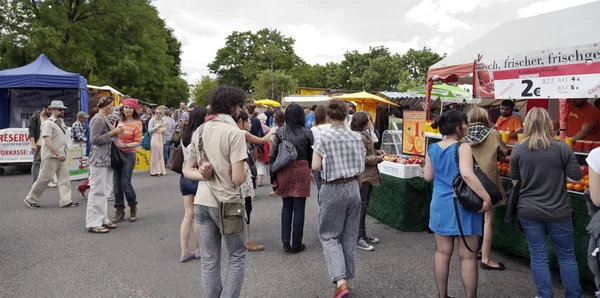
x=117, y=158
x=232, y=212
x=146, y=140
x=175, y=162
x=286, y=154
x=469, y=200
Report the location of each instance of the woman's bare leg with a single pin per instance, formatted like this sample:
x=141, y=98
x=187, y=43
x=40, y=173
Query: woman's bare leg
x=186, y=224
x=468, y=265
x=444, y=246
x=486, y=250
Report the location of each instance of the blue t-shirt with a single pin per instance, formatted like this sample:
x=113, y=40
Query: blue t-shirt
x=310, y=118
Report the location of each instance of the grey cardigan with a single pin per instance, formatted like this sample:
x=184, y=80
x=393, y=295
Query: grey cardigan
x=101, y=141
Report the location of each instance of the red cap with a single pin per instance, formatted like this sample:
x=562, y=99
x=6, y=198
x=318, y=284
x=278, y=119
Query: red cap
x=130, y=102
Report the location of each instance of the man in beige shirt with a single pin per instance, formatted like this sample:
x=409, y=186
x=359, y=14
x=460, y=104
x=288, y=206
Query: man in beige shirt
x=221, y=173
x=53, y=159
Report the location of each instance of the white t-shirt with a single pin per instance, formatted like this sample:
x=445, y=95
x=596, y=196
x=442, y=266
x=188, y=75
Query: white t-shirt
x=316, y=130
x=593, y=160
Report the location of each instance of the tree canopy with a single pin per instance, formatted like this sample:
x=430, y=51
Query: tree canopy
x=245, y=61
x=124, y=44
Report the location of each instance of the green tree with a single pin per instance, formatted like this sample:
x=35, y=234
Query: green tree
x=120, y=43
x=416, y=63
x=246, y=54
x=284, y=85
x=203, y=90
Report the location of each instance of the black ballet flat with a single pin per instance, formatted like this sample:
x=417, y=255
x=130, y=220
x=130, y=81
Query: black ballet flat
x=488, y=267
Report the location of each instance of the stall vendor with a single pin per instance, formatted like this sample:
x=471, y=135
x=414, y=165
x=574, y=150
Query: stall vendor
x=582, y=123
x=508, y=120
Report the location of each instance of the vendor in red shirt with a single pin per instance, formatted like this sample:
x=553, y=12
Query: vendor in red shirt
x=582, y=123
x=509, y=121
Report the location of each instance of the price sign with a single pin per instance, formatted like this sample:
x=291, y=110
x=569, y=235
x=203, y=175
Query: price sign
x=571, y=72
x=569, y=86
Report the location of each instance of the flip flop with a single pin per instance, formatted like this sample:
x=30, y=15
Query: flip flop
x=98, y=230
x=196, y=256
x=485, y=266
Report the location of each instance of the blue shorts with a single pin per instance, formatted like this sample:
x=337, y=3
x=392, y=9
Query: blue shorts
x=187, y=186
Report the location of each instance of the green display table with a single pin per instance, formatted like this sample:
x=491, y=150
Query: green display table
x=402, y=204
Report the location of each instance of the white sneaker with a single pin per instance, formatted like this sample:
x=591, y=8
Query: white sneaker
x=362, y=244
x=51, y=184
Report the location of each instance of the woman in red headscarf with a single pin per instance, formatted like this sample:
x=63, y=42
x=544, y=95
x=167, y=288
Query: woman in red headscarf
x=130, y=139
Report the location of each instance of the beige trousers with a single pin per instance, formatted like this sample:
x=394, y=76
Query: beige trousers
x=48, y=169
x=97, y=204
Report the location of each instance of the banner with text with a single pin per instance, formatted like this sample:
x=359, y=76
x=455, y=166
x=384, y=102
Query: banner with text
x=572, y=72
x=15, y=146
x=25, y=102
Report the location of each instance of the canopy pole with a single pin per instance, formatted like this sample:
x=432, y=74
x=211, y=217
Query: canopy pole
x=562, y=117
x=428, y=98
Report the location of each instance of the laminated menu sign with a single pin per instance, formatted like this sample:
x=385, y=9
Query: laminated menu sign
x=572, y=72
x=413, y=132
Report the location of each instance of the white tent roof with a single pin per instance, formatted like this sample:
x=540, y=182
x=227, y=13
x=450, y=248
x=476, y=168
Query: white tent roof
x=307, y=101
x=564, y=28
x=106, y=88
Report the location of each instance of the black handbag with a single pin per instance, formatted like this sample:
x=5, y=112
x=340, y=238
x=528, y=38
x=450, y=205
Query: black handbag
x=117, y=157
x=469, y=200
x=466, y=197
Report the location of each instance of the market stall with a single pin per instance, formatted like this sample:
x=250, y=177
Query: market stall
x=544, y=70
x=366, y=102
x=23, y=91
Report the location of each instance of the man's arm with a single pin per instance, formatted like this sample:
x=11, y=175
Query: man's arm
x=32, y=127
x=585, y=131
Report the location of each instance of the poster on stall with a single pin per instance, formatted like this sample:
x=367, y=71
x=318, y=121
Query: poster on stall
x=571, y=72
x=78, y=169
x=25, y=102
x=413, y=132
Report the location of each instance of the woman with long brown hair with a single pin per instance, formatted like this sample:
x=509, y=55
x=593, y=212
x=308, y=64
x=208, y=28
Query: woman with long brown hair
x=130, y=140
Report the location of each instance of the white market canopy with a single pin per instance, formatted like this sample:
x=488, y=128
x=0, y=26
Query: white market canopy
x=569, y=27
x=307, y=101
x=105, y=88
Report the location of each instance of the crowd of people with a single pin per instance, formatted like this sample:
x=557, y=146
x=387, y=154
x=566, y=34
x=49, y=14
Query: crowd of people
x=332, y=146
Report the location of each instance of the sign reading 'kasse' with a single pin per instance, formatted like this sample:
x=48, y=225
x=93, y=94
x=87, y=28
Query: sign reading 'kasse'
x=572, y=72
x=25, y=102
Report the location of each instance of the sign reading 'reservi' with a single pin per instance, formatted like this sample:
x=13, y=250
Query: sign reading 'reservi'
x=572, y=72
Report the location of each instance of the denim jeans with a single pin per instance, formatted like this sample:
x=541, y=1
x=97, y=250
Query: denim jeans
x=561, y=235
x=365, y=197
x=208, y=220
x=167, y=150
x=293, y=210
x=122, y=182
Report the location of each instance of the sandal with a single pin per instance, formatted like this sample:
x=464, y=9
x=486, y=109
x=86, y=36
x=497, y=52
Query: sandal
x=111, y=225
x=98, y=230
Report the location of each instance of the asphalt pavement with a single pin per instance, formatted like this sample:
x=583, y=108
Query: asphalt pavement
x=47, y=252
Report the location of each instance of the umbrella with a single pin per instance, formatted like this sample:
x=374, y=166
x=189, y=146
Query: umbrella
x=364, y=98
x=447, y=93
x=267, y=102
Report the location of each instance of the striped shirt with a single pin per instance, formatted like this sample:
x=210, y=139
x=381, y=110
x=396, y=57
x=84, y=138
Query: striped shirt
x=132, y=134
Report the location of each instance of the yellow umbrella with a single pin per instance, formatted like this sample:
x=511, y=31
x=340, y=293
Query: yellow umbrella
x=267, y=102
x=365, y=98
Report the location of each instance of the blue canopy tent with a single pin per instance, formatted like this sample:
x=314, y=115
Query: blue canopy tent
x=39, y=74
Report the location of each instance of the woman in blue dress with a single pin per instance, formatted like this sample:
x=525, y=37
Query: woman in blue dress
x=441, y=167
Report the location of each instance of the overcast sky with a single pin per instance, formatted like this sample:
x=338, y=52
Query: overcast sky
x=325, y=29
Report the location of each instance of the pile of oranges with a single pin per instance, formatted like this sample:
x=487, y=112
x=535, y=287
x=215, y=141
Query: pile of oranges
x=503, y=168
x=582, y=185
